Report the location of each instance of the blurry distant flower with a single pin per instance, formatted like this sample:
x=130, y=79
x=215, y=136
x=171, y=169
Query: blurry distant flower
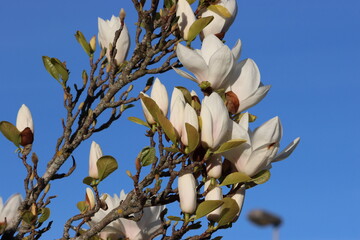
x=128, y=229
x=95, y=154
x=261, y=146
x=187, y=193
x=10, y=209
x=215, y=121
x=160, y=96
x=107, y=29
x=220, y=25
x=186, y=17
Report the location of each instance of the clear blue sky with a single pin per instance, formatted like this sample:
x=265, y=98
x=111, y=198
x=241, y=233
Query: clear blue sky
x=309, y=51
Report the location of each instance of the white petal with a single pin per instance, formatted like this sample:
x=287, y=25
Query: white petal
x=122, y=45
x=160, y=96
x=193, y=62
x=259, y=94
x=95, y=154
x=220, y=65
x=214, y=194
x=287, y=151
x=210, y=45
x=177, y=115
x=187, y=193
x=236, y=50
x=186, y=17
x=175, y=94
x=24, y=119
x=268, y=133
x=190, y=117
x=206, y=127
x=185, y=74
x=214, y=166
x=10, y=208
x=239, y=197
x=147, y=113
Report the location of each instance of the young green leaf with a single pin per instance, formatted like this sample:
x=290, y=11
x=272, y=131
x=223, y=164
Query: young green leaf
x=193, y=137
x=207, y=207
x=82, y=206
x=151, y=106
x=186, y=94
x=45, y=214
x=220, y=10
x=233, y=143
x=229, y=211
x=234, y=178
x=10, y=132
x=261, y=177
x=106, y=165
x=147, y=156
x=138, y=121
x=89, y=181
x=84, y=44
x=197, y=27
x=174, y=218
x=167, y=126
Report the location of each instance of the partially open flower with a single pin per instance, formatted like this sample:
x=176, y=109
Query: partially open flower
x=107, y=29
x=95, y=154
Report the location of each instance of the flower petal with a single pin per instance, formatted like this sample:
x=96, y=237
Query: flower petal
x=268, y=133
x=287, y=151
x=259, y=94
x=220, y=65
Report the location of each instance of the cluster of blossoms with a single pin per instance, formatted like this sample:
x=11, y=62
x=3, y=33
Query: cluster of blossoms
x=212, y=133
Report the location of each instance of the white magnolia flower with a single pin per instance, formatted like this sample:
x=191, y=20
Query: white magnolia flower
x=186, y=17
x=214, y=166
x=215, y=121
x=160, y=96
x=9, y=211
x=90, y=198
x=177, y=107
x=95, y=154
x=220, y=24
x=261, y=146
x=24, y=119
x=213, y=194
x=125, y=228
x=107, y=29
x=245, y=83
x=239, y=197
x=187, y=193
x=212, y=63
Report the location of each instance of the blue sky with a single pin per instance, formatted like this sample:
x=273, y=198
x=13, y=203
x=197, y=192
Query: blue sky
x=309, y=51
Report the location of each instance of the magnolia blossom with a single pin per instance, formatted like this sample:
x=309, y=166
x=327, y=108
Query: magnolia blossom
x=261, y=146
x=191, y=118
x=245, y=84
x=95, y=154
x=187, y=193
x=107, y=29
x=186, y=17
x=213, y=194
x=215, y=121
x=9, y=211
x=220, y=24
x=177, y=107
x=214, y=166
x=160, y=96
x=24, y=119
x=239, y=197
x=125, y=228
x=90, y=198
x=212, y=63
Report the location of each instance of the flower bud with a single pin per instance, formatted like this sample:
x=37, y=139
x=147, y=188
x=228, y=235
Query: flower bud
x=24, y=119
x=214, y=166
x=90, y=198
x=95, y=154
x=186, y=17
x=190, y=117
x=187, y=193
x=239, y=197
x=93, y=44
x=213, y=194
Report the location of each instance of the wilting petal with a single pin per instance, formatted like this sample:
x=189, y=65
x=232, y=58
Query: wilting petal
x=186, y=17
x=187, y=193
x=95, y=154
x=287, y=151
x=24, y=119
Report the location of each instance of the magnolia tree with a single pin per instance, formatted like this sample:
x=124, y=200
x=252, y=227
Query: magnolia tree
x=202, y=155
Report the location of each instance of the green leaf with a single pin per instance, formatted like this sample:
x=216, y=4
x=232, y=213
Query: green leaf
x=84, y=44
x=89, y=181
x=233, y=143
x=174, y=218
x=10, y=132
x=261, y=177
x=207, y=207
x=197, y=27
x=151, y=106
x=220, y=10
x=106, y=165
x=45, y=214
x=138, y=121
x=147, y=156
x=167, y=126
x=234, y=178
x=170, y=149
x=191, y=1
x=123, y=107
x=193, y=137
x=230, y=209
x=28, y=217
x=194, y=226
x=61, y=69
x=50, y=67
x=82, y=206
x=186, y=93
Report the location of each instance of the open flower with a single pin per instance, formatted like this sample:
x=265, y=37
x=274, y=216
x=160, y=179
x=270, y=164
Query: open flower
x=215, y=121
x=10, y=209
x=95, y=154
x=160, y=96
x=212, y=63
x=187, y=193
x=186, y=17
x=107, y=29
x=220, y=24
x=125, y=228
x=261, y=146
